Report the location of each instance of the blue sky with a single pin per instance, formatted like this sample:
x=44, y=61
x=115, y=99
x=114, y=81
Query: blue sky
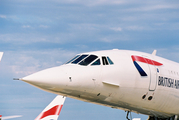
x=35, y=35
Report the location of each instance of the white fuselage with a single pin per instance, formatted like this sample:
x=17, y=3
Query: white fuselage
x=122, y=84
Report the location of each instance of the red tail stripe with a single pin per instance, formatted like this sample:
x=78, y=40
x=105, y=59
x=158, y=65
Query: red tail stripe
x=145, y=60
x=53, y=111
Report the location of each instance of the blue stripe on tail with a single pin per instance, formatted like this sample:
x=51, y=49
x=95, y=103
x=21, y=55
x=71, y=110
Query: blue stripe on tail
x=141, y=71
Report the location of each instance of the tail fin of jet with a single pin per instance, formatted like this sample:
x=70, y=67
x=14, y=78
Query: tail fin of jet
x=52, y=111
x=0, y=117
x=1, y=54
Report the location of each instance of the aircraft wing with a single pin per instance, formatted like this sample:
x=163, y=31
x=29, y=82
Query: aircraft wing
x=136, y=119
x=52, y=111
x=9, y=117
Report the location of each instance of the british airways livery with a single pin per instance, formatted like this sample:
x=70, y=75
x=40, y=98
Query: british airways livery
x=52, y=111
x=123, y=79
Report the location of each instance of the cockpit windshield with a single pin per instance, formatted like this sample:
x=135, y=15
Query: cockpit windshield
x=79, y=59
x=88, y=60
x=73, y=59
x=84, y=60
x=97, y=62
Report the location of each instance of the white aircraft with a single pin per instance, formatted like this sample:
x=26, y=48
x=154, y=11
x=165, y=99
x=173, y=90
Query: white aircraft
x=1, y=54
x=52, y=111
x=9, y=117
x=128, y=80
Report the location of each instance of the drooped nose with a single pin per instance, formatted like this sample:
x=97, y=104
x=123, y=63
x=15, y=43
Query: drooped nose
x=48, y=78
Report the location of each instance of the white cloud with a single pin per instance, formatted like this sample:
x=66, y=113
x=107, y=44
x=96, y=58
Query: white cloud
x=3, y=16
x=85, y=26
x=151, y=6
x=106, y=40
x=44, y=26
x=23, y=38
x=10, y=17
x=112, y=39
x=105, y=2
x=117, y=29
x=92, y=2
x=26, y=26
x=82, y=46
x=158, y=7
x=40, y=26
x=23, y=63
x=135, y=27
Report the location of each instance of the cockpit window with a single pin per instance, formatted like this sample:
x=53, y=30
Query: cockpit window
x=110, y=61
x=73, y=59
x=88, y=60
x=79, y=59
x=97, y=62
x=105, y=62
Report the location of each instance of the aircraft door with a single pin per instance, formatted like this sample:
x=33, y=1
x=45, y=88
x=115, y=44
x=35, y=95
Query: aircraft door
x=153, y=74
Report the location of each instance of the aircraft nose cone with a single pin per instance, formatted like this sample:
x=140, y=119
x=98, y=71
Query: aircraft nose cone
x=48, y=78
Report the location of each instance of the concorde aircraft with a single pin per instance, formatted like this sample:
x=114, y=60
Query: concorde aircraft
x=123, y=79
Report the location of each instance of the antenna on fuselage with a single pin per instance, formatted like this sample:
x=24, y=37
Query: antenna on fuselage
x=154, y=52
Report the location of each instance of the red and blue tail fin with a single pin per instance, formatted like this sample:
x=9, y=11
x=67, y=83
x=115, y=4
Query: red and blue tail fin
x=52, y=111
